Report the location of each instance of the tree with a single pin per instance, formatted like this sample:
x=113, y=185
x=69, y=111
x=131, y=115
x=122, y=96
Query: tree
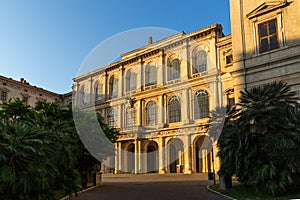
x=260, y=142
x=40, y=150
x=26, y=161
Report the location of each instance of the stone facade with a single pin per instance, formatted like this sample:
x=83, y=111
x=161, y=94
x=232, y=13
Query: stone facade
x=12, y=89
x=160, y=97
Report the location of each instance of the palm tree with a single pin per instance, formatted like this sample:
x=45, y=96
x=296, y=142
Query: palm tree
x=25, y=171
x=260, y=140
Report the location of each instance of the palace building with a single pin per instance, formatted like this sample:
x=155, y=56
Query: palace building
x=12, y=89
x=161, y=96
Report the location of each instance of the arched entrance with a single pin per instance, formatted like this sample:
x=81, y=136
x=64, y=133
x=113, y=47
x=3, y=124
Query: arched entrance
x=175, y=155
x=152, y=157
x=203, y=154
x=128, y=160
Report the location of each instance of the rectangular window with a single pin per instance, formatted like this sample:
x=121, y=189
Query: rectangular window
x=268, y=37
x=25, y=100
x=3, y=95
x=229, y=59
x=230, y=102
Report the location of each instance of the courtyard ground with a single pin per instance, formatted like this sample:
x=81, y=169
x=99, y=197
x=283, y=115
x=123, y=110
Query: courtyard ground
x=151, y=187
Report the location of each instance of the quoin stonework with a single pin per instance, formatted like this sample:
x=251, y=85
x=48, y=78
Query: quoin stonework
x=160, y=96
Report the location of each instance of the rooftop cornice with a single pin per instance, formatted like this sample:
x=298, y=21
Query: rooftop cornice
x=151, y=49
x=224, y=41
x=27, y=85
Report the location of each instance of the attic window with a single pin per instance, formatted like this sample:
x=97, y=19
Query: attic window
x=229, y=59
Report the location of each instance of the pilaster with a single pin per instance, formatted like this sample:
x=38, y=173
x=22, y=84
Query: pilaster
x=161, y=155
x=187, y=155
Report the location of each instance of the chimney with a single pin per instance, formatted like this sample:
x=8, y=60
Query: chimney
x=149, y=40
x=22, y=80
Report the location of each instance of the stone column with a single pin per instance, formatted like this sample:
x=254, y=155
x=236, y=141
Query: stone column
x=187, y=155
x=140, y=75
x=119, y=155
x=161, y=155
x=121, y=82
x=165, y=105
x=120, y=115
x=77, y=94
x=91, y=91
x=136, y=157
x=106, y=86
x=139, y=117
x=184, y=64
x=116, y=159
x=160, y=107
x=204, y=154
x=216, y=95
x=144, y=159
x=139, y=156
x=186, y=105
x=161, y=70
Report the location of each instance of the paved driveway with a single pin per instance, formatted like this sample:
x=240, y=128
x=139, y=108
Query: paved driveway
x=151, y=187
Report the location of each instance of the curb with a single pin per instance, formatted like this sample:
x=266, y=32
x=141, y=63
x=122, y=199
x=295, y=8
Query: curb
x=211, y=190
x=82, y=191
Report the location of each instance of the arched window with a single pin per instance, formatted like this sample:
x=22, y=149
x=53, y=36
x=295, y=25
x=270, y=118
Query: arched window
x=130, y=81
x=111, y=118
x=201, y=105
x=99, y=92
x=151, y=114
x=130, y=117
x=174, y=70
x=151, y=75
x=85, y=95
x=200, y=61
x=174, y=110
x=113, y=87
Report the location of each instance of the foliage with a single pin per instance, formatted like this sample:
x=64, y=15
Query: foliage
x=40, y=151
x=242, y=192
x=260, y=142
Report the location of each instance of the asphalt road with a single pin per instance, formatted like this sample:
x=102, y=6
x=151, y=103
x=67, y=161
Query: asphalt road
x=151, y=187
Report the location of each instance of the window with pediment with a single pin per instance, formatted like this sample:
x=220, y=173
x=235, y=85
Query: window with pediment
x=268, y=36
x=230, y=98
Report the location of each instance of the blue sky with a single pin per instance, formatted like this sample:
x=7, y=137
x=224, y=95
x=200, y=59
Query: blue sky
x=47, y=41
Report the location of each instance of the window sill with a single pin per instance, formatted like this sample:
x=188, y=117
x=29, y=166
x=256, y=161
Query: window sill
x=149, y=87
x=196, y=75
x=269, y=52
x=228, y=65
x=174, y=81
x=202, y=120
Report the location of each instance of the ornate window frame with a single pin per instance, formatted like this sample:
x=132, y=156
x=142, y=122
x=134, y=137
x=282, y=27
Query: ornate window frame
x=266, y=12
